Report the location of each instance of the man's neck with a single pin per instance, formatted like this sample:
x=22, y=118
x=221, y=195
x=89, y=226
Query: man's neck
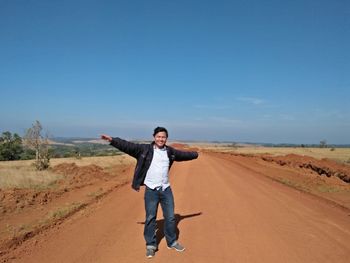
x=160, y=148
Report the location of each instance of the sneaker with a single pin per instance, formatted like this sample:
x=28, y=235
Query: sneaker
x=177, y=247
x=150, y=252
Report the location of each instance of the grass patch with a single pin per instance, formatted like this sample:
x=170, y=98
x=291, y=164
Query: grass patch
x=63, y=212
x=292, y=184
x=328, y=189
x=97, y=194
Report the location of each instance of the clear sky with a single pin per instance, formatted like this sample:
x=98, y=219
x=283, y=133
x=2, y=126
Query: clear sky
x=248, y=70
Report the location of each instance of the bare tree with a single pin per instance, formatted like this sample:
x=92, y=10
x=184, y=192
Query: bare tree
x=323, y=144
x=40, y=144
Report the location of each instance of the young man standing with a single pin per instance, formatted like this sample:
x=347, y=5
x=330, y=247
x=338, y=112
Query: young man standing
x=152, y=170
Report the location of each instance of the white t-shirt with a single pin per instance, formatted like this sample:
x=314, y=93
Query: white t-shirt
x=158, y=172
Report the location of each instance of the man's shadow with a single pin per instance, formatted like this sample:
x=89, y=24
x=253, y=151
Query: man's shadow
x=160, y=225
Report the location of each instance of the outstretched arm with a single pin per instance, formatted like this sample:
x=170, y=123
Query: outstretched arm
x=130, y=148
x=185, y=155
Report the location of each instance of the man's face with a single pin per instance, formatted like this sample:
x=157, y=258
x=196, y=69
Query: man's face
x=160, y=139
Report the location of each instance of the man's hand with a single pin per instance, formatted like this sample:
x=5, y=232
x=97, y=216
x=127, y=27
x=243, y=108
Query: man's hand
x=106, y=137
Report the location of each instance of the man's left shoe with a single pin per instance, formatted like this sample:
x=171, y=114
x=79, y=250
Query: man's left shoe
x=177, y=247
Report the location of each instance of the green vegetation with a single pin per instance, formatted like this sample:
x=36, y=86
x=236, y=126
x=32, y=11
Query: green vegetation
x=10, y=146
x=79, y=150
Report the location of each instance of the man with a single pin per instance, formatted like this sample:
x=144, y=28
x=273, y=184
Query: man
x=152, y=170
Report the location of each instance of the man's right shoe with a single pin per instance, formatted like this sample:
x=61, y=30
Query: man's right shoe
x=150, y=252
x=177, y=247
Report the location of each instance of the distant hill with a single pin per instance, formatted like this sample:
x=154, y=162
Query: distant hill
x=80, y=147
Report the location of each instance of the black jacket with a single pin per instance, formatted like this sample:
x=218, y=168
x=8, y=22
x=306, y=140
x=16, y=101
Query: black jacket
x=144, y=155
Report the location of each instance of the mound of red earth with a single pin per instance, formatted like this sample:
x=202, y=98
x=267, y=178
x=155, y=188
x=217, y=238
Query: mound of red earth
x=179, y=145
x=79, y=176
x=324, y=167
x=185, y=147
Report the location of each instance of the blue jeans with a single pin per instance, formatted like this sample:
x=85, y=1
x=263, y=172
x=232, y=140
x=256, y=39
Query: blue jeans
x=166, y=200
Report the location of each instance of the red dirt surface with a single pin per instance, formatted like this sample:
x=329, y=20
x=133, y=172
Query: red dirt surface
x=303, y=173
x=227, y=209
x=26, y=212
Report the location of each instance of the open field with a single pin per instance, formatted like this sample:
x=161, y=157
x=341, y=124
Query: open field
x=103, y=161
x=22, y=174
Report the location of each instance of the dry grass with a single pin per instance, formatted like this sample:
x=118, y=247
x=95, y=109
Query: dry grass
x=26, y=177
x=22, y=174
x=337, y=154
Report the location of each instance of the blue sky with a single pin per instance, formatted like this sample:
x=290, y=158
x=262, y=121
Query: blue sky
x=255, y=71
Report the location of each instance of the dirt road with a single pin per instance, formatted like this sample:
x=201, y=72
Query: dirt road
x=226, y=212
